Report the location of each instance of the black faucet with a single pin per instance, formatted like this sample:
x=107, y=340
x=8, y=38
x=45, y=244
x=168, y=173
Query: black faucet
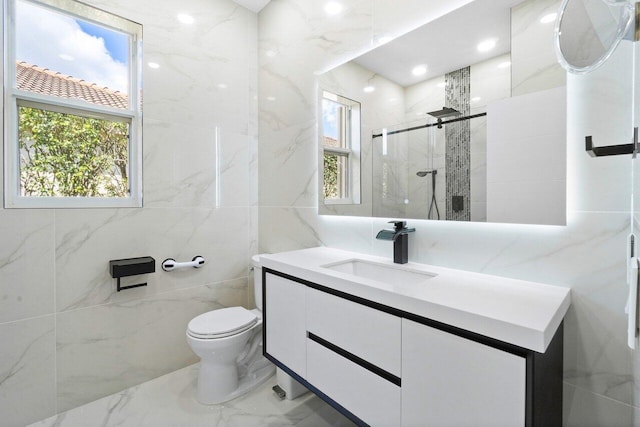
x=400, y=237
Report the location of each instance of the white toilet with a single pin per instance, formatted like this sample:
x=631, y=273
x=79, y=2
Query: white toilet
x=229, y=344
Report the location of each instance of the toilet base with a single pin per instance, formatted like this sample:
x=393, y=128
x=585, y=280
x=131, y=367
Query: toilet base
x=209, y=394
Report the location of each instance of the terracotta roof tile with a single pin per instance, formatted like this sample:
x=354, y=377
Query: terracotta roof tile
x=44, y=81
x=331, y=142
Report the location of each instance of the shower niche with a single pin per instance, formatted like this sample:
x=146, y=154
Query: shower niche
x=480, y=136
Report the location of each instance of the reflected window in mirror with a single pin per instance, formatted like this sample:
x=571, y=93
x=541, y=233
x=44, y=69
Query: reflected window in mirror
x=340, y=149
x=73, y=134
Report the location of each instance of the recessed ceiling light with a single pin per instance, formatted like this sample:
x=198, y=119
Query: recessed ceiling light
x=66, y=57
x=333, y=8
x=476, y=99
x=153, y=65
x=505, y=64
x=271, y=98
x=548, y=18
x=221, y=86
x=419, y=70
x=369, y=89
x=185, y=19
x=487, y=45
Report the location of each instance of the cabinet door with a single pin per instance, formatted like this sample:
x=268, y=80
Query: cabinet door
x=285, y=326
x=452, y=381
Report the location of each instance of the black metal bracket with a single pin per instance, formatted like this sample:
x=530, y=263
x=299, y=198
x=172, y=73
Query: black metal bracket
x=131, y=267
x=119, y=288
x=613, y=150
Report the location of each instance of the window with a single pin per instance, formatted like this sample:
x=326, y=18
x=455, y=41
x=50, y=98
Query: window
x=73, y=134
x=340, y=149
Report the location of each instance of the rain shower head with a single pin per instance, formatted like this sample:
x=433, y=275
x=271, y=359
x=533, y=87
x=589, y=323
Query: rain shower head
x=445, y=112
x=422, y=174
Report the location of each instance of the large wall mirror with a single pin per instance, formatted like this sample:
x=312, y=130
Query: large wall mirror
x=461, y=119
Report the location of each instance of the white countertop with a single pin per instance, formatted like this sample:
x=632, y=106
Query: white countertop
x=523, y=313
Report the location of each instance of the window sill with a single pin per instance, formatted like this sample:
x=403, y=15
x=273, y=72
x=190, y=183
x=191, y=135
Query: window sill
x=71, y=202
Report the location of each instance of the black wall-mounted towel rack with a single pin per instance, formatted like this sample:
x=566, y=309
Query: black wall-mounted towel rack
x=613, y=150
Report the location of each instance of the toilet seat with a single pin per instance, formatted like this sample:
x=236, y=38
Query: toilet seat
x=221, y=323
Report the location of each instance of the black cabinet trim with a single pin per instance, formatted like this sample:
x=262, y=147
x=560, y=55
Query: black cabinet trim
x=335, y=405
x=355, y=359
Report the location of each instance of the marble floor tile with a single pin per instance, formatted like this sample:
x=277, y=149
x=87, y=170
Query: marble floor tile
x=170, y=401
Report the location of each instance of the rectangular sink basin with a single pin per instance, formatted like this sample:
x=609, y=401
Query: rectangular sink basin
x=381, y=272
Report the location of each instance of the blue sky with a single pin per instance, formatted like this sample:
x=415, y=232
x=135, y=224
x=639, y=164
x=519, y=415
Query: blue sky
x=116, y=43
x=74, y=47
x=329, y=118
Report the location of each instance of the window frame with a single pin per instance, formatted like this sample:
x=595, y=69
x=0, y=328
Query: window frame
x=350, y=131
x=14, y=97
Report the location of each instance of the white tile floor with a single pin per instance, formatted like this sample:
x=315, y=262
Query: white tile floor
x=170, y=401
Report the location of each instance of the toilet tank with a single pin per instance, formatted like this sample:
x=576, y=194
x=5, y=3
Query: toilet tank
x=257, y=281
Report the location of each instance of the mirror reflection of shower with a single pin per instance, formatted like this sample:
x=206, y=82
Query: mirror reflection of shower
x=434, y=202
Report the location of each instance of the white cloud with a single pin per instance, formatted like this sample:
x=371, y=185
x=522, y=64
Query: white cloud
x=45, y=38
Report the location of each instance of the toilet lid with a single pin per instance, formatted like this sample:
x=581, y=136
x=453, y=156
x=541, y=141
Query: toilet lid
x=221, y=323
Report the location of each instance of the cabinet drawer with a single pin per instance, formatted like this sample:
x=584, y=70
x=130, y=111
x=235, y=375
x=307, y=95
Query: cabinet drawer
x=371, y=398
x=370, y=334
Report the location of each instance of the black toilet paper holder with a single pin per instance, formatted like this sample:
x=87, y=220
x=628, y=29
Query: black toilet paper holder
x=131, y=267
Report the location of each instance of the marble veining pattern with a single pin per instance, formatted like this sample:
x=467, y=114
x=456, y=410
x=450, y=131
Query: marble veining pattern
x=170, y=401
x=26, y=264
x=27, y=379
x=106, y=348
x=84, y=235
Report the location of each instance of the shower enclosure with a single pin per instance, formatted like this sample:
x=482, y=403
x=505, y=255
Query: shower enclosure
x=434, y=168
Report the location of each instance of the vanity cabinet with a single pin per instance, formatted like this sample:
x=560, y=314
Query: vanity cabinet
x=382, y=366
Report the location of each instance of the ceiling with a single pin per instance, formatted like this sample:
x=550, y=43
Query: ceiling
x=446, y=44
x=254, y=5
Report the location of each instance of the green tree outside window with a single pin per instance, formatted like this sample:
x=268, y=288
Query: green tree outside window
x=64, y=155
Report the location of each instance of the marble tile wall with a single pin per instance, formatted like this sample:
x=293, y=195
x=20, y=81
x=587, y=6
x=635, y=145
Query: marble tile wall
x=534, y=63
x=587, y=255
x=68, y=337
